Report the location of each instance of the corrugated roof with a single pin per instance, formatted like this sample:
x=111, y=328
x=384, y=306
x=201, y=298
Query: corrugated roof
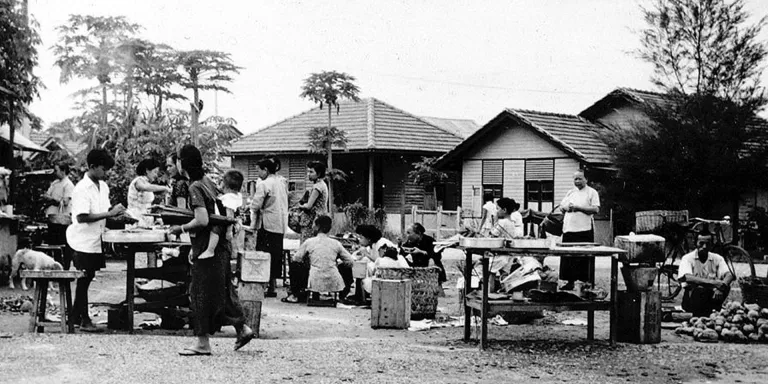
x=370, y=124
x=459, y=127
x=571, y=132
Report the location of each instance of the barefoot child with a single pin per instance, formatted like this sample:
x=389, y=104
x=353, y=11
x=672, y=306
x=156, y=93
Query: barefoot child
x=231, y=200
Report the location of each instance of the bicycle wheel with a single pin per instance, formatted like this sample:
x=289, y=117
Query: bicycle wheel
x=735, y=253
x=667, y=282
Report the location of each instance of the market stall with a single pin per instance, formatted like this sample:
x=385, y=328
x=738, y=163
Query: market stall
x=127, y=243
x=485, y=305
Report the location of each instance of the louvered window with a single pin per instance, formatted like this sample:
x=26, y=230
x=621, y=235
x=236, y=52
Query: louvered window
x=540, y=169
x=493, y=178
x=297, y=174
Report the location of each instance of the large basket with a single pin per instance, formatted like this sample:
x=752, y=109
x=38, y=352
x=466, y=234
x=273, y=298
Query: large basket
x=649, y=221
x=754, y=289
x=424, y=288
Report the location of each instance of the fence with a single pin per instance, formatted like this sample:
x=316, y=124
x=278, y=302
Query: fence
x=438, y=223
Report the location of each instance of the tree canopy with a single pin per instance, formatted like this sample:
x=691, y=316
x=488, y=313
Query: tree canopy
x=18, y=59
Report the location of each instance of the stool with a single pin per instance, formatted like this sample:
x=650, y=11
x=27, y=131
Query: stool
x=42, y=278
x=57, y=252
x=313, y=300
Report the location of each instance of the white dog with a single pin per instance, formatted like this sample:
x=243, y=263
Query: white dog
x=32, y=260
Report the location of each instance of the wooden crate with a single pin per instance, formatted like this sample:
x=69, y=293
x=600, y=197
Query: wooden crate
x=391, y=304
x=639, y=317
x=641, y=248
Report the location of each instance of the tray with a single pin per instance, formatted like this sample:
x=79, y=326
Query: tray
x=133, y=236
x=578, y=244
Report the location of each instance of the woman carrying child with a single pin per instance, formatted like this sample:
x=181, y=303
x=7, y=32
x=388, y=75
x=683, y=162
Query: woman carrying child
x=213, y=299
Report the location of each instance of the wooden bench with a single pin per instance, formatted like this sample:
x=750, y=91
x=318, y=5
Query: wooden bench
x=42, y=278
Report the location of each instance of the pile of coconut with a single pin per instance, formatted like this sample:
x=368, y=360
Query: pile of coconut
x=736, y=322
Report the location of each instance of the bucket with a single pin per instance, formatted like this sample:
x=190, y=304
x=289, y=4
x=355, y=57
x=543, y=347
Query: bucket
x=639, y=279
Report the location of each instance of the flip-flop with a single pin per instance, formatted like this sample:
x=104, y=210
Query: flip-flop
x=294, y=301
x=193, y=352
x=242, y=341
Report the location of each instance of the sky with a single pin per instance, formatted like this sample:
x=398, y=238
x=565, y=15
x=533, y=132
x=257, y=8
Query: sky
x=446, y=58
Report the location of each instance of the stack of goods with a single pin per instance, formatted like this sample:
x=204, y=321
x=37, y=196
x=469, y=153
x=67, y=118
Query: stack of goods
x=736, y=322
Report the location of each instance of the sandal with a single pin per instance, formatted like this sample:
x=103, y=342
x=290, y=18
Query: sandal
x=290, y=299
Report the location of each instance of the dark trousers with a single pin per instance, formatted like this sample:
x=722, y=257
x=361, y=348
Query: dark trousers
x=271, y=243
x=576, y=268
x=700, y=301
x=79, y=313
x=299, y=273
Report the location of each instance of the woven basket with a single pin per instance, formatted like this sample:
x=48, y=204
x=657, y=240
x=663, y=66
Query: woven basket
x=754, y=289
x=424, y=288
x=649, y=221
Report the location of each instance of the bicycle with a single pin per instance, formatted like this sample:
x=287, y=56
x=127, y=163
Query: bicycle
x=677, y=237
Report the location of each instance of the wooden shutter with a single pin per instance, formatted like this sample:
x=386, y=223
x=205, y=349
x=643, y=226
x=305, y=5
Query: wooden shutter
x=540, y=169
x=253, y=173
x=297, y=173
x=493, y=172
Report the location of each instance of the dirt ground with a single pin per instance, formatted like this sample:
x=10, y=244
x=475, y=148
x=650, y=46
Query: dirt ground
x=319, y=345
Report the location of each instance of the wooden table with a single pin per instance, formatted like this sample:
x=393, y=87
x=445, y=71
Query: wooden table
x=128, y=249
x=481, y=302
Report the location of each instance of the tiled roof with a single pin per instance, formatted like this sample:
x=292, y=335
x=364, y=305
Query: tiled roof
x=621, y=96
x=38, y=137
x=370, y=124
x=573, y=133
x=459, y=127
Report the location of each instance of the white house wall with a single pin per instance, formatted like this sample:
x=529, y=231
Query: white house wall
x=513, y=145
x=514, y=142
x=564, y=169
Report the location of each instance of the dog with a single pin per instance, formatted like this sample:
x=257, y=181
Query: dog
x=32, y=260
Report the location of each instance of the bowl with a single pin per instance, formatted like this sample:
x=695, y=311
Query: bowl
x=481, y=242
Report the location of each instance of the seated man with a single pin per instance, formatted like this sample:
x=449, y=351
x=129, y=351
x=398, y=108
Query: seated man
x=705, y=277
x=314, y=266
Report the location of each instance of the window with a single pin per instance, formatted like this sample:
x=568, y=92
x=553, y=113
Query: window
x=540, y=184
x=493, y=178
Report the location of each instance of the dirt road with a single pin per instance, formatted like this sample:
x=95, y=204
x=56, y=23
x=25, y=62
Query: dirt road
x=319, y=345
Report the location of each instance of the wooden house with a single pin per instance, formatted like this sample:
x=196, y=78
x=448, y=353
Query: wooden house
x=383, y=143
x=529, y=156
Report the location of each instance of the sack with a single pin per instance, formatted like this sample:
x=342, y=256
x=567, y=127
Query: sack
x=299, y=218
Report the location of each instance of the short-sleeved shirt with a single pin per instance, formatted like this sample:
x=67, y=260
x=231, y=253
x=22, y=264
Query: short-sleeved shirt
x=321, y=203
x=271, y=202
x=202, y=194
x=88, y=197
x=715, y=268
x=60, y=190
x=139, y=202
x=322, y=252
x=579, y=221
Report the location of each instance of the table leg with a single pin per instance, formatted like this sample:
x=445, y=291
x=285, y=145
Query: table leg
x=467, y=287
x=35, y=309
x=484, y=310
x=130, y=256
x=591, y=313
x=63, y=306
x=359, y=292
x=68, y=308
x=614, y=302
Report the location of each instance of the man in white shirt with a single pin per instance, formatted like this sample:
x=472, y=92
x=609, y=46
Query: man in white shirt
x=90, y=210
x=578, y=205
x=706, y=278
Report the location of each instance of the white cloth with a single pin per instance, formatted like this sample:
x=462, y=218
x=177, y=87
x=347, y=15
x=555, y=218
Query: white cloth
x=60, y=190
x=714, y=268
x=88, y=198
x=377, y=245
x=231, y=201
x=579, y=221
x=490, y=220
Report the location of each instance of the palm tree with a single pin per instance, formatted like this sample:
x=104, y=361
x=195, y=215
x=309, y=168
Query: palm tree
x=328, y=88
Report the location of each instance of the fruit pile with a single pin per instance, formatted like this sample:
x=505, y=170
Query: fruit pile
x=735, y=322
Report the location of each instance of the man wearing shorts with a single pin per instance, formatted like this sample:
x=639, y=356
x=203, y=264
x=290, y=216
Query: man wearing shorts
x=90, y=210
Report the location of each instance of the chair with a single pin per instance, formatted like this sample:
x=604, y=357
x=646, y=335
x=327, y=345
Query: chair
x=42, y=278
x=424, y=288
